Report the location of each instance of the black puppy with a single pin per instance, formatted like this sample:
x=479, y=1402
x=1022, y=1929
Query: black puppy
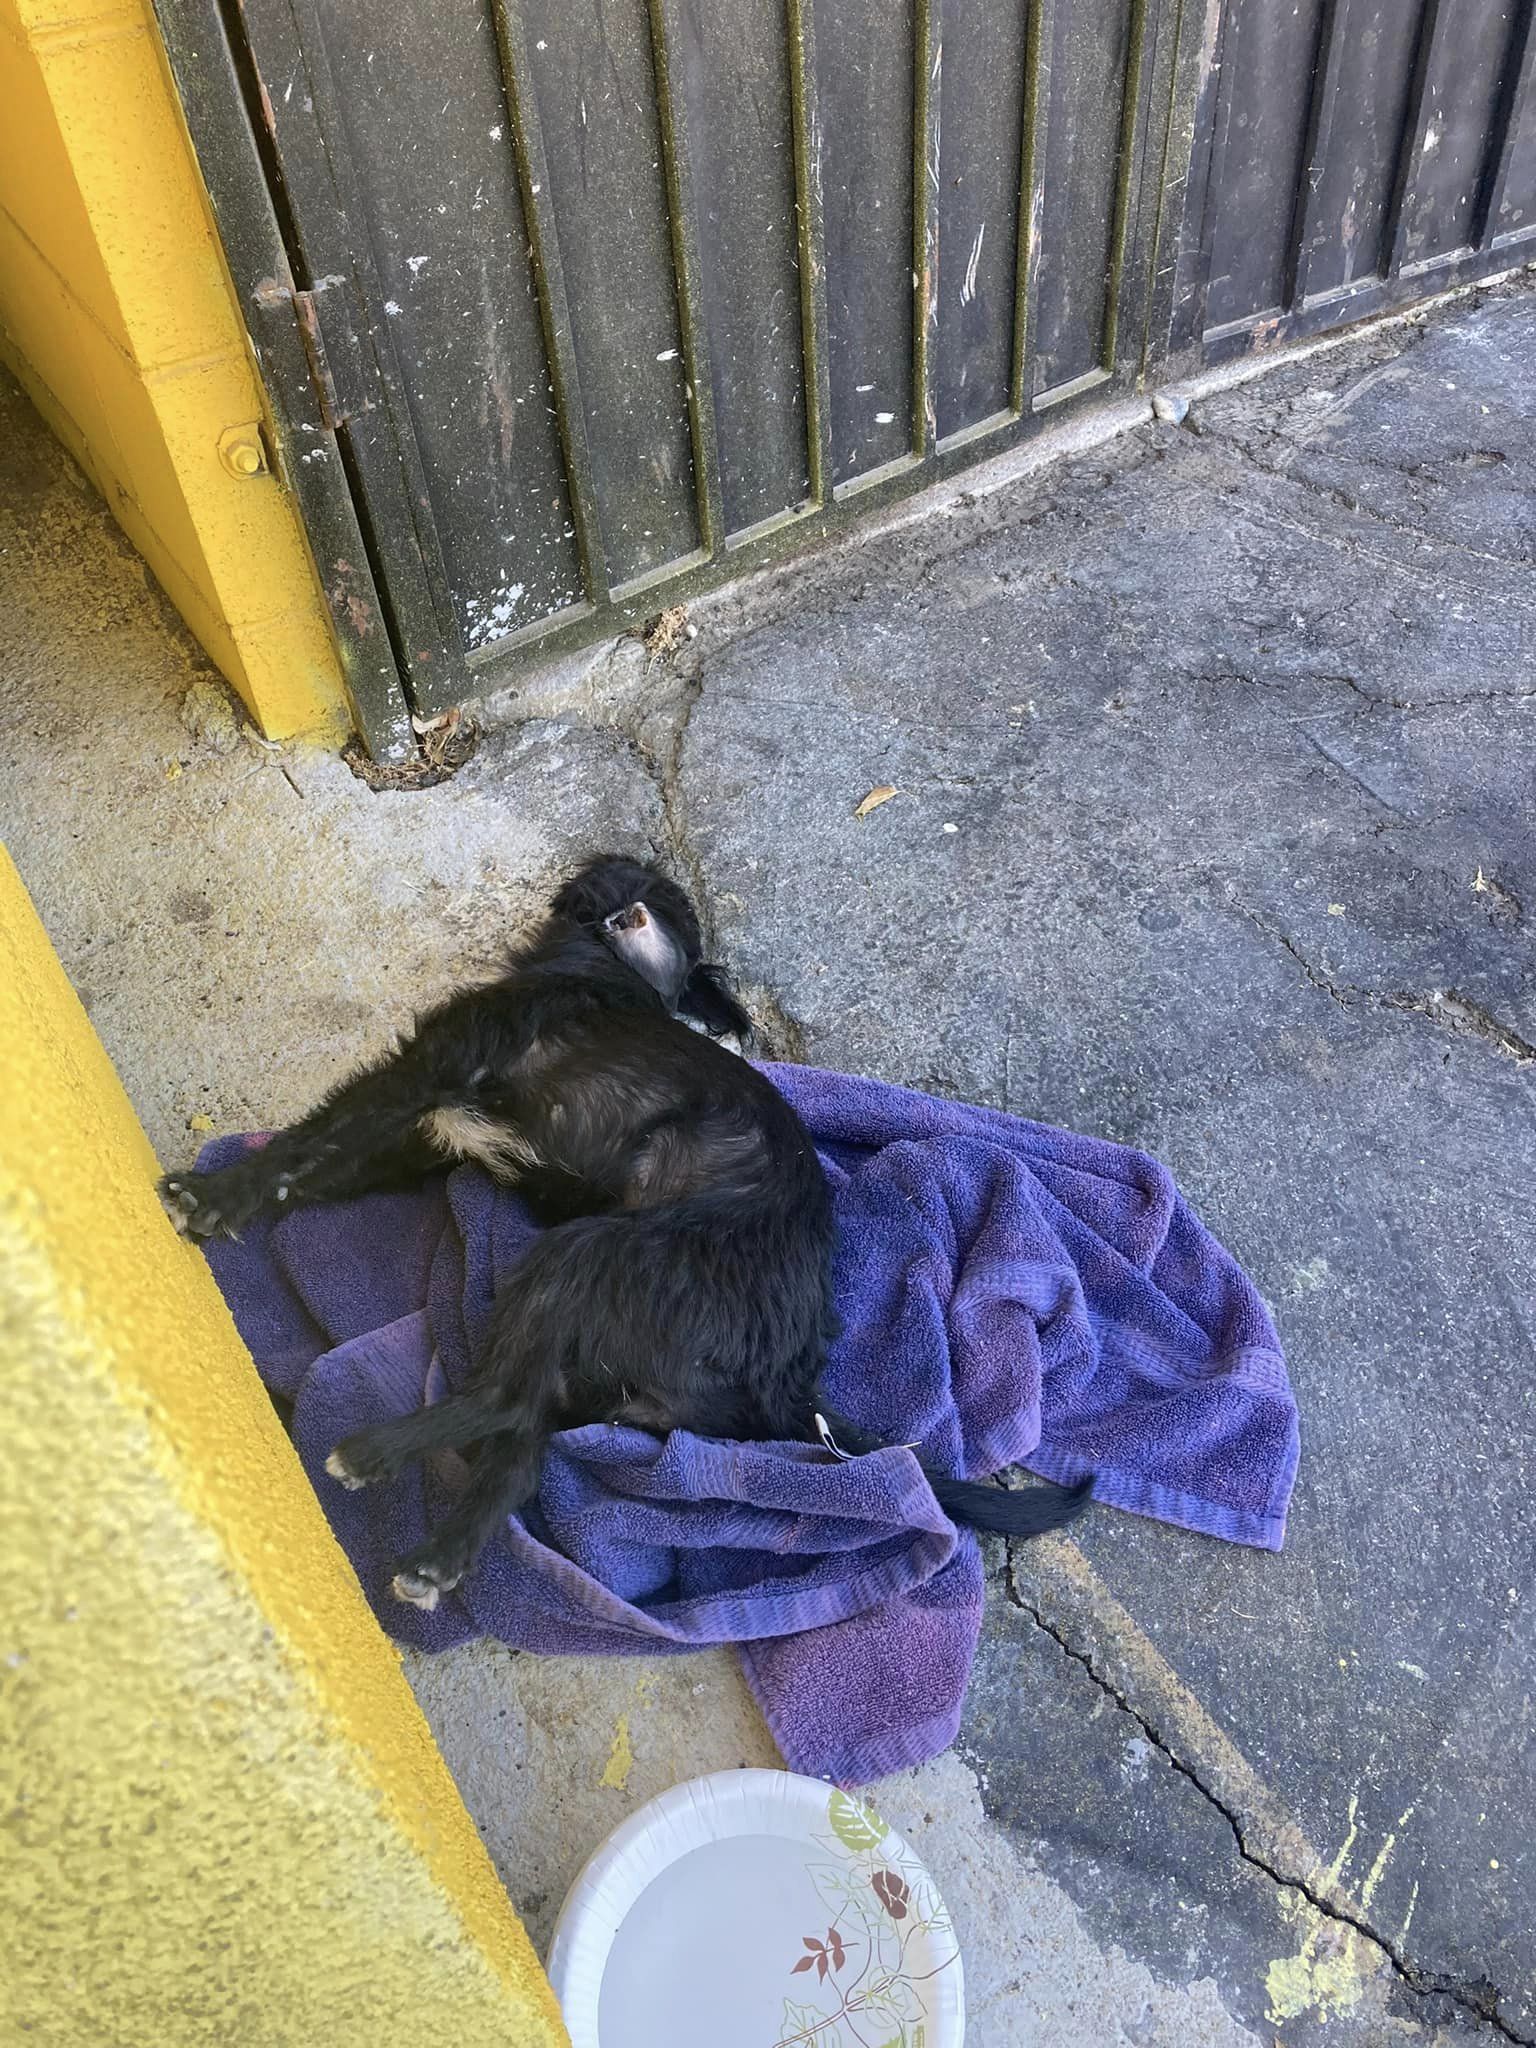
x=684, y=1281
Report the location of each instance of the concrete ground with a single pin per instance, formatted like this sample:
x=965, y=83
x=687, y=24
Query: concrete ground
x=1214, y=748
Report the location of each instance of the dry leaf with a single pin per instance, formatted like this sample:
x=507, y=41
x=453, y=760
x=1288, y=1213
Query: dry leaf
x=880, y=794
x=200, y=1122
x=665, y=633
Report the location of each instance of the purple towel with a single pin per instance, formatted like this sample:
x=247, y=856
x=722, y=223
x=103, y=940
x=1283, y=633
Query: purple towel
x=1011, y=1294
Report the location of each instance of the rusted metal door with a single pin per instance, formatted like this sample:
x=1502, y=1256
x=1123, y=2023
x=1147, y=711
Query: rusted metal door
x=570, y=306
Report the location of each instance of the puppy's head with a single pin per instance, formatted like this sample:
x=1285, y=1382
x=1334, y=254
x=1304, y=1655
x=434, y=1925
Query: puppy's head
x=647, y=921
x=610, y=885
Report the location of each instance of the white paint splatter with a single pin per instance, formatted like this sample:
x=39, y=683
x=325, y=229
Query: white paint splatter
x=884, y=419
x=668, y=355
x=496, y=133
x=391, y=308
x=414, y=263
x=863, y=387
x=968, y=289
x=485, y=622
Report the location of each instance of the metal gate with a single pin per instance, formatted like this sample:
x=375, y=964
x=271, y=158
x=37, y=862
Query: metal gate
x=568, y=306
x=1347, y=157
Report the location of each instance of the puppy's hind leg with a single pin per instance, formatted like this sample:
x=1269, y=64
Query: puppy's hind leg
x=523, y=1385
x=386, y=1448
x=506, y=1473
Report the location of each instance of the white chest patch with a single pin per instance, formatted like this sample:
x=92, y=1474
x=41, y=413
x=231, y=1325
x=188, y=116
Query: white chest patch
x=465, y=1134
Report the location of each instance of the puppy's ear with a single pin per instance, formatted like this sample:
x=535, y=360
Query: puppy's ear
x=707, y=998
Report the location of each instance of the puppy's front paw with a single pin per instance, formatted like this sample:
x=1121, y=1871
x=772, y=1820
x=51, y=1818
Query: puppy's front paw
x=208, y=1204
x=184, y=1204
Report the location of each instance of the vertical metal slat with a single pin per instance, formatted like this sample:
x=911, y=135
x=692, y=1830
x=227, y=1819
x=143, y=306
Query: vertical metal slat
x=1432, y=30
x=1327, y=65
x=379, y=440
x=685, y=257
x=203, y=63
x=431, y=571
x=1167, y=177
x=1127, y=177
x=549, y=278
x=1037, y=86
x=1515, y=86
x=1226, y=96
x=811, y=237
x=928, y=68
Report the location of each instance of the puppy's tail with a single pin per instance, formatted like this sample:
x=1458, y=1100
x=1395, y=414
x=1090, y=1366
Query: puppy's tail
x=1029, y=1512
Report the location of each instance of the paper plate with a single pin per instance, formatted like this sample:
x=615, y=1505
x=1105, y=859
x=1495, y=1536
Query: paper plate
x=757, y=1909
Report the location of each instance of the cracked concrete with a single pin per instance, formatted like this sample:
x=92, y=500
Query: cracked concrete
x=1305, y=1873
x=1213, y=745
x=1441, y=1006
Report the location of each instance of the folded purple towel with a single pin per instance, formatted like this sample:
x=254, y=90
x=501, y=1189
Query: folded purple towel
x=1011, y=1294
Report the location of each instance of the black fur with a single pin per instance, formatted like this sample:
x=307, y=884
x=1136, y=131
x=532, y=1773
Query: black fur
x=684, y=1281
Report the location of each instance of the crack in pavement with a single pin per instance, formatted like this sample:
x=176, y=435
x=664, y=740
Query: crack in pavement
x=1381, y=703
x=655, y=735
x=1279, y=938
x=1463, y=1017
x=1446, y=1005
x=668, y=715
x=1479, y=2000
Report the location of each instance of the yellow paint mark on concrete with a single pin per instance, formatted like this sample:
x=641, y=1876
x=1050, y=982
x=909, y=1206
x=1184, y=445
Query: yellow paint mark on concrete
x=1413, y=1900
x=1179, y=1715
x=1373, y=1875
x=621, y=1758
x=1383, y=1855
x=1326, y=1978
x=1334, y=1965
x=1329, y=1973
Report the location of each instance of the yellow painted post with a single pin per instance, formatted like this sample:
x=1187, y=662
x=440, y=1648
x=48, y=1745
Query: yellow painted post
x=225, y=1819
x=117, y=314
